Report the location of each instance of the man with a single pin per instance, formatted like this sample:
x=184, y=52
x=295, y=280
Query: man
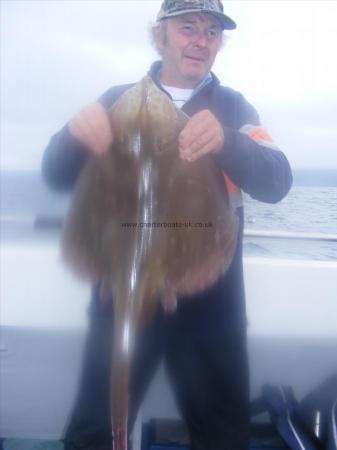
x=204, y=342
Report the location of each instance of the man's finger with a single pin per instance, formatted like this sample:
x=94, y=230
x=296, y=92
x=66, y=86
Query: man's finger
x=83, y=133
x=98, y=123
x=199, y=124
x=101, y=122
x=92, y=128
x=209, y=147
x=189, y=147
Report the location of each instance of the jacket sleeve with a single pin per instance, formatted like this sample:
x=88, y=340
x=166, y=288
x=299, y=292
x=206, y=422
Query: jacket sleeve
x=251, y=159
x=63, y=160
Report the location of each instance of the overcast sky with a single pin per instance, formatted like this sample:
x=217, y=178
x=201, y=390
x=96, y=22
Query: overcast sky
x=57, y=56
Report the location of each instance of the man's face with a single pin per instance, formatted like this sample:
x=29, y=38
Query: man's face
x=188, y=48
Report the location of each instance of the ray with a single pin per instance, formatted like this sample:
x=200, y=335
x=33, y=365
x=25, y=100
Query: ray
x=148, y=224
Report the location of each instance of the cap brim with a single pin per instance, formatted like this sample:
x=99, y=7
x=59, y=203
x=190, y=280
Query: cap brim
x=226, y=22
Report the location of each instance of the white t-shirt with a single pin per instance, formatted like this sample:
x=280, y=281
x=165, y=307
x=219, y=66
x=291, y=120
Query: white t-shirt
x=179, y=96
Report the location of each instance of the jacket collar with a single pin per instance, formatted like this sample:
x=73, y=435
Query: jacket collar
x=155, y=69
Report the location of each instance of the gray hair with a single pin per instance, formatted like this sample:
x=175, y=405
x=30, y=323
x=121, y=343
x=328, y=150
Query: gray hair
x=157, y=30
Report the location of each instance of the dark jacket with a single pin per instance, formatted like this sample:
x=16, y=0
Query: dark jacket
x=253, y=166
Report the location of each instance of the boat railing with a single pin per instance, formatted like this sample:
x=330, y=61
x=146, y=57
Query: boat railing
x=296, y=235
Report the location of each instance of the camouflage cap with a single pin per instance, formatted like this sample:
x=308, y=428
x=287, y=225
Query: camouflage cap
x=170, y=8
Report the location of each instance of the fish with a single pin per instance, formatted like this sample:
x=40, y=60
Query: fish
x=151, y=227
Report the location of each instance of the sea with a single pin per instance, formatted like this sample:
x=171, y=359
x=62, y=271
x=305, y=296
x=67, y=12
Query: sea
x=31, y=212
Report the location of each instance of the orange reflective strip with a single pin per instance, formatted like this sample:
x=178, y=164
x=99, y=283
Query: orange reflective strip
x=259, y=134
x=231, y=187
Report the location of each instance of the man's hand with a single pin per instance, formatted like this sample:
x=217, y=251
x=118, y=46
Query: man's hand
x=203, y=134
x=91, y=127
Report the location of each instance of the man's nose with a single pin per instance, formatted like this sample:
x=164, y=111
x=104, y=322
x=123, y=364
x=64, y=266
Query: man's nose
x=200, y=39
